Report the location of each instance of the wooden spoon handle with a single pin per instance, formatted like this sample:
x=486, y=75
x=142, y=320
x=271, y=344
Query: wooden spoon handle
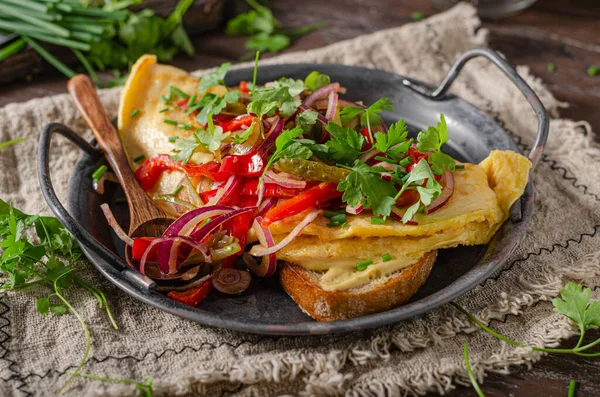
x=86, y=99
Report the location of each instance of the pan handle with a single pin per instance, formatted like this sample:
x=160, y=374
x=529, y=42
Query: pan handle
x=543, y=120
x=74, y=227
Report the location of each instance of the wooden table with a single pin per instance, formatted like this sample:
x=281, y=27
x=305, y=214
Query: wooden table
x=565, y=33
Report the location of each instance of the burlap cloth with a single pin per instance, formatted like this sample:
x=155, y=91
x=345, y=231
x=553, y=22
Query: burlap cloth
x=415, y=356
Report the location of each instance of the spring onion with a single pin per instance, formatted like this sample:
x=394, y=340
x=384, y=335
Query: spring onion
x=362, y=265
x=99, y=172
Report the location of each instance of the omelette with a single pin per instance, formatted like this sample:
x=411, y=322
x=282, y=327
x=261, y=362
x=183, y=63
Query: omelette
x=291, y=173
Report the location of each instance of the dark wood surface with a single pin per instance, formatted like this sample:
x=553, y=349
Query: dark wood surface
x=565, y=33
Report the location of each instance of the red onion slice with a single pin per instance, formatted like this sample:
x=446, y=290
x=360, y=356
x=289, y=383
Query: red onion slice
x=443, y=198
x=274, y=132
x=343, y=103
x=354, y=210
x=99, y=184
x=282, y=179
x=112, y=222
x=264, y=249
x=266, y=205
x=332, y=106
x=321, y=93
x=268, y=264
x=177, y=239
x=386, y=165
x=368, y=155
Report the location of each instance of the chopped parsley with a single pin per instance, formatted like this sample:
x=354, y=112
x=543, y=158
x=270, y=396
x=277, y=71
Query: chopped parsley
x=212, y=137
x=316, y=80
x=177, y=190
x=243, y=137
x=345, y=145
x=431, y=140
x=214, y=78
x=185, y=148
x=134, y=113
x=364, y=186
x=171, y=122
x=173, y=138
x=370, y=116
x=163, y=110
x=386, y=258
x=394, y=143
x=213, y=104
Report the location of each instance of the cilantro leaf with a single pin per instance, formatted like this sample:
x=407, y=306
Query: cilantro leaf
x=345, y=145
x=364, y=185
x=185, y=149
x=396, y=136
x=575, y=304
x=213, y=78
x=316, y=80
x=296, y=150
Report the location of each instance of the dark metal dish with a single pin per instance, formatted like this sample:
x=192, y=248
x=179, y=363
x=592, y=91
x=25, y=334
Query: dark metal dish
x=265, y=308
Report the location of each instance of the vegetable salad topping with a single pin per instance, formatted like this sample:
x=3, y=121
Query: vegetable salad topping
x=287, y=148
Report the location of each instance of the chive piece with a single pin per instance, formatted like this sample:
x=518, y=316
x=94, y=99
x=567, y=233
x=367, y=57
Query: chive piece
x=191, y=101
x=120, y=200
x=377, y=221
x=330, y=214
x=173, y=138
x=387, y=160
x=338, y=218
x=99, y=172
x=362, y=265
x=406, y=161
x=592, y=70
x=459, y=166
x=344, y=224
x=175, y=90
x=551, y=67
x=186, y=127
x=417, y=16
x=11, y=142
x=172, y=122
x=177, y=190
x=87, y=66
x=64, y=69
x=386, y=258
x=139, y=158
x=135, y=113
x=163, y=110
x=36, y=19
x=11, y=49
x=164, y=100
x=334, y=224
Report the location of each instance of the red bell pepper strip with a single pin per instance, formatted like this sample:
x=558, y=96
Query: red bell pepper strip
x=310, y=198
x=237, y=123
x=368, y=141
x=222, y=120
x=150, y=171
x=250, y=188
x=192, y=296
x=239, y=226
x=244, y=87
x=140, y=244
x=247, y=165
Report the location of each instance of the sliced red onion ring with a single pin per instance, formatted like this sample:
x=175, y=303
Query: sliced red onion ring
x=224, y=193
x=321, y=93
x=440, y=200
x=183, y=226
x=343, y=103
x=177, y=239
x=112, y=222
x=354, y=210
x=268, y=264
x=332, y=105
x=368, y=155
x=262, y=250
x=261, y=192
x=99, y=184
x=386, y=165
x=266, y=205
x=386, y=176
x=321, y=118
x=282, y=179
x=231, y=281
x=396, y=215
x=274, y=132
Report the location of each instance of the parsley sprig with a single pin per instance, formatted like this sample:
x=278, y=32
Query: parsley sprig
x=431, y=140
x=370, y=116
x=574, y=303
x=49, y=263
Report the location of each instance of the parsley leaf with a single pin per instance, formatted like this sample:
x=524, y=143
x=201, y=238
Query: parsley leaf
x=213, y=104
x=261, y=107
x=440, y=162
x=350, y=112
x=287, y=147
x=278, y=93
x=268, y=42
x=414, y=180
x=213, y=78
x=364, y=185
x=212, y=137
x=185, y=149
x=295, y=87
x=316, y=80
x=243, y=137
x=307, y=119
x=396, y=136
x=345, y=145
x=575, y=304
x=370, y=116
x=432, y=139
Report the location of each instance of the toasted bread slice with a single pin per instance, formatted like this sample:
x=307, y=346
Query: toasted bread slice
x=303, y=287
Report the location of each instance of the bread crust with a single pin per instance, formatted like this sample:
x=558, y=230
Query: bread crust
x=303, y=287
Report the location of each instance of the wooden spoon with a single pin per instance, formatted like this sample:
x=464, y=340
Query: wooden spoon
x=146, y=218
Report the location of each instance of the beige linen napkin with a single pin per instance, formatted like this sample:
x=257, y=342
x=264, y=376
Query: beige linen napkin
x=415, y=356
